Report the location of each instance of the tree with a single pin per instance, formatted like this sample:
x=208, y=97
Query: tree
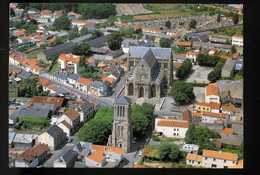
x=82, y=49
x=73, y=33
x=214, y=75
x=168, y=24
x=98, y=11
x=184, y=70
x=99, y=128
x=182, y=92
x=192, y=24
x=114, y=42
x=235, y=18
x=169, y=152
x=202, y=136
x=84, y=31
x=165, y=42
x=207, y=60
x=97, y=33
x=62, y=23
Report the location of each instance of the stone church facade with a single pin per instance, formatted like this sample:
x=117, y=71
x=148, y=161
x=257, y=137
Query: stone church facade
x=150, y=72
x=122, y=129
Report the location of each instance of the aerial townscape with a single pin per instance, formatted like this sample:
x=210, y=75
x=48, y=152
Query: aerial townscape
x=125, y=85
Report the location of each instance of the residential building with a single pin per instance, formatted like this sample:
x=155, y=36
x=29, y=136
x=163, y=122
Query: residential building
x=65, y=126
x=32, y=157
x=53, y=137
x=66, y=160
x=192, y=55
x=84, y=84
x=212, y=93
x=72, y=117
x=52, y=102
x=99, y=88
x=207, y=107
x=84, y=108
x=238, y=41
x=24, y=141
x=171, y=128
x=209, y=117
x=219, y=39
x=190, y=148
x=218, y=159
x=80, y=23
x=69, y=60
x=212, y=159
x=73, y=78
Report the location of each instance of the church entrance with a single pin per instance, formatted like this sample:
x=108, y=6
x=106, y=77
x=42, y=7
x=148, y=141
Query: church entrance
x=141, y=92
x=153, y=91
x=131, y=89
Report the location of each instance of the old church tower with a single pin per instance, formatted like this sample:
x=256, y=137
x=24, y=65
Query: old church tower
x=122, y=129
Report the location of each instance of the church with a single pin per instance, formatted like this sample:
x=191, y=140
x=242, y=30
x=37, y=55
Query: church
x=150, y=72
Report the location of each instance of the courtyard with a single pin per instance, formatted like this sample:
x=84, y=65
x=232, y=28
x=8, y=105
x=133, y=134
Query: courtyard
x=199, y=74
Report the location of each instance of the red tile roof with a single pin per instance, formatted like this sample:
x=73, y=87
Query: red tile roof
x=58, y=101
x=173, y=123
x=69, y=58
x=72, y=114
x=34, y=152
x=212, y=89
x=219, y=155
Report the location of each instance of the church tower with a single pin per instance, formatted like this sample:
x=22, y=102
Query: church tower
x=122, y=129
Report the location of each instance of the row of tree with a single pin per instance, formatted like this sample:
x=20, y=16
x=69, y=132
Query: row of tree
x=215, y=74
x=207, y=60
x=184, y=70
x=98, y=129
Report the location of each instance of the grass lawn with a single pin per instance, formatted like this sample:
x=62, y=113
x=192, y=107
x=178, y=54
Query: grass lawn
x=230, y=31
x=55, y=68
x=35, y=121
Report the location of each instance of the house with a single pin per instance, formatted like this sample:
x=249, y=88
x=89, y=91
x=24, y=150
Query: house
x=73, y=78
x=229, y=109
x=84, y=84
x=24, y=141
x=85, y=109
x=184, y=44
x=80, y=23
x=219, y=39
x=209, y=117
x=65, y=126
x=53, y=137
x=207, y=107
x=32, y=157
x=66, y=160
x=218, y=159
x=237, y=41
x=194, y=160
x=212, y=159
x=45, y=16
x=72, y=117
x=231, y=91
x=69, y=60
x=212, y=93
x=99, y=88
x=190, y=148
x=47, y=85
x=109, y=81
x=61, y=78
x=100, y=155
x=52, y=102
x=72, y=15
x=228, y=68
x=192, y=55
x=171, y=128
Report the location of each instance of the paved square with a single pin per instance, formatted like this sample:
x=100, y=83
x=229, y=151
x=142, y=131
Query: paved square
x=200, y=74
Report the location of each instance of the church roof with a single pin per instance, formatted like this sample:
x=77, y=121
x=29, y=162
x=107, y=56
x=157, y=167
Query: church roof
x=122, y=100
x=149, y=58
x=158, y=52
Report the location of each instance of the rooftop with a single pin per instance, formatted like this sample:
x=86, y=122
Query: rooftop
x=196, y=157
x=220, y=155
x=212, y=89
x=173, y=123
x=72, y=114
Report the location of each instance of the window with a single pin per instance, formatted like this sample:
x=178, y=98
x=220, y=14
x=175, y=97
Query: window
x=214, y=159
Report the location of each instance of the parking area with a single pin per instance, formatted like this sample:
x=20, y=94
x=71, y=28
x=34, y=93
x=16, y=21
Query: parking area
x=199, y=74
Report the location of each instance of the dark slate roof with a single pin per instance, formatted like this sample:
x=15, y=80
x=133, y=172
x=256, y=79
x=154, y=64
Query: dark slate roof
x=122, y=100
x=99, y=42
x=61, y=48
x=55, y=131
x=74, y=76
x=158, y=52
x=34, y=112
x=50, y=107
x=149, y=58
x=69, y=155
x=61, y=76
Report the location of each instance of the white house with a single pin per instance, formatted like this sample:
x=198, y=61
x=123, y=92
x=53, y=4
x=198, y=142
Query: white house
x=69, y=60
x=171, y=128
x=237, y=41
x=190, y=148
x=212, y=159
x=210, y=117
x=212, y=93
x=83, y=84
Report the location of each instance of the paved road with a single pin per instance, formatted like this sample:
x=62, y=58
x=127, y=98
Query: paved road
x=56, y=154
x=120, y=85
x=102, y=101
